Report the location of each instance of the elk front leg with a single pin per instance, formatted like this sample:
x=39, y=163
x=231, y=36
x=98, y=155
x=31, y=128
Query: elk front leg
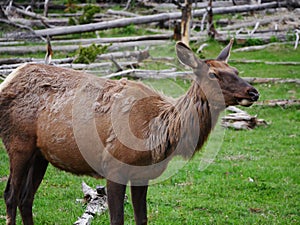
x=139, y=202
x=115, y=198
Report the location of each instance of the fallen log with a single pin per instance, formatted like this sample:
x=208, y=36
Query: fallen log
x=134, y=44
x=81, y=66
x=139, y=55
x=15, y=61
x=263, y=21
x=278, y=102
x=19, y=61
x=150, y=74
x=32, y=15
x=165, y=36
x=121, y=13
x=242, y=61
x=258, y=80
x=6, y=69
x=8, y=43
x=145, y=19
x=71, y=48
x=265, y=37
x=38, y=23
x=258, y=47
x=197, y=5
x=33, y=49
x=21, y=26
x=172, y=73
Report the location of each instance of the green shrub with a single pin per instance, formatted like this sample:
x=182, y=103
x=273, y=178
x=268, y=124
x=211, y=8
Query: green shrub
x=89, y=54
x=290, y=35
x=129, y=30
x=273, y=39
x=72, y=21
x=88, y=14
x=253, y=41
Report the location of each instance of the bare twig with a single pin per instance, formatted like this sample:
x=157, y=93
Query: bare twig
x=203, y=21
x=127, y=5
x=201, y=47
x=119, y=67
x=297, y=38
x=255, y=28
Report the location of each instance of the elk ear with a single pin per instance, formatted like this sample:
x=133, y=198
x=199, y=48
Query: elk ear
x=186, y=56
x=225, y=53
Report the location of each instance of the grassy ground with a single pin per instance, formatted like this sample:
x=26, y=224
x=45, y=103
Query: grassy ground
x=223, y=193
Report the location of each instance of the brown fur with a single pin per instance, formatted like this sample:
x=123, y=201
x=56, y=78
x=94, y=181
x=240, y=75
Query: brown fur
x=136, y=125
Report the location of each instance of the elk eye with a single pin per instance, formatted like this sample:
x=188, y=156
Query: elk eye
x=212, y=76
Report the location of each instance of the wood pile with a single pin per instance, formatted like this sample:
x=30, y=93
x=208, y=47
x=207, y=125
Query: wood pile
x=95, y=201
x=240, y=120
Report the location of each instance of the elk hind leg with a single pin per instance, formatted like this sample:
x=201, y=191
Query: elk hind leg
x=11, y=203
x=20, y=154
x=35, y=175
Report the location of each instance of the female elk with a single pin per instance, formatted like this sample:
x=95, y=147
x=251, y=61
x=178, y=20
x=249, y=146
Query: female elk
x=120, y=130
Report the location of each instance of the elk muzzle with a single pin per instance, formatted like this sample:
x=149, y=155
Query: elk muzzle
x=250, y=97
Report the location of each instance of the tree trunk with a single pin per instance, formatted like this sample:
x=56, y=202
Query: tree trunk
x=186, y=22
x=211, y=27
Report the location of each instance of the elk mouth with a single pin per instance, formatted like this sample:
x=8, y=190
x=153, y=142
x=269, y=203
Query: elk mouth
x=252, y=96
x=244, y=101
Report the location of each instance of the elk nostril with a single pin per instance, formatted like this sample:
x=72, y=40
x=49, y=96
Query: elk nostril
x=253, y=93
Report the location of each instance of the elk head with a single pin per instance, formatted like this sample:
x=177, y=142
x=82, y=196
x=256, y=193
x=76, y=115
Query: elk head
x=218, y=81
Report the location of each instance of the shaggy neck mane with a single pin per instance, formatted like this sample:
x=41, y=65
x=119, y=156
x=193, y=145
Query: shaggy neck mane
x=182, y=127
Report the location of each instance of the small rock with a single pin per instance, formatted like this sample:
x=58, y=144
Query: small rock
x=250, y=179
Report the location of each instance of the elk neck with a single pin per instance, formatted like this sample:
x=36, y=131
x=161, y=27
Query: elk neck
x=183, y=127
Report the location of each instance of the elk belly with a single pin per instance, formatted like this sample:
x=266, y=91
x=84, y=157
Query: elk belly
x=56, y=140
